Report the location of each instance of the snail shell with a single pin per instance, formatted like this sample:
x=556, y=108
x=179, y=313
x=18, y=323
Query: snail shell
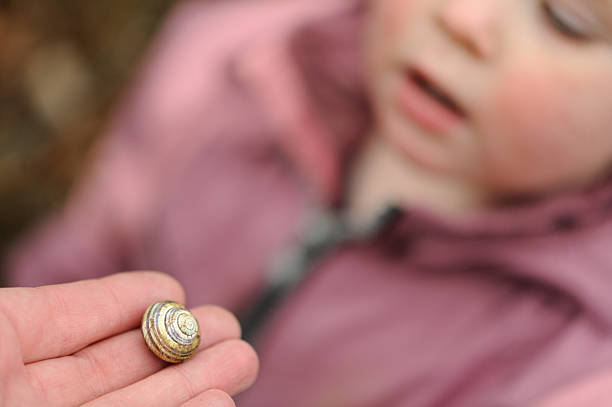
x=170, y=331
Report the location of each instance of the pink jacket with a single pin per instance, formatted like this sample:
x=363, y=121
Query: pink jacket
x=245, y=112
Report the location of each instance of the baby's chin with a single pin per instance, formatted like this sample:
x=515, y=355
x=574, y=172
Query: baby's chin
x=453, y=155
x=469, y=185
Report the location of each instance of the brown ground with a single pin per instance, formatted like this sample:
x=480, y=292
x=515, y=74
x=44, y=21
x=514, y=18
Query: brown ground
x=62, y=64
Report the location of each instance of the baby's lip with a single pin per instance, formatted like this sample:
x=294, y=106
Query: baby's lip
x=423, y=101
x=430, y=86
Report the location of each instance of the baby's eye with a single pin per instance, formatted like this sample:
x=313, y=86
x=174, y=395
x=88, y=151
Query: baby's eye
x=563, y=22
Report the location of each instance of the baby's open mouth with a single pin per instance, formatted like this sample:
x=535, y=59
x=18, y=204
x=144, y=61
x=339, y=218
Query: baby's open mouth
x=425, y=104
x=436, y=93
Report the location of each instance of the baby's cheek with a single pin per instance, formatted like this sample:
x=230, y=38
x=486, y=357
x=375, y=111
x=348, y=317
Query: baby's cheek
x=530, y=126
x=530, y=109
x=392, y=17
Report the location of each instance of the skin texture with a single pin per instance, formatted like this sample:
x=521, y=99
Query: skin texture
x=536, y=98
x=80, y=344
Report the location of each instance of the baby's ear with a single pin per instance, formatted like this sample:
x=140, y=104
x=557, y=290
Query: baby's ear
x=592, y=391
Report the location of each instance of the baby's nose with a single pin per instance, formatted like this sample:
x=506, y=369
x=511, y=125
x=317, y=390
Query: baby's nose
x=472, y=23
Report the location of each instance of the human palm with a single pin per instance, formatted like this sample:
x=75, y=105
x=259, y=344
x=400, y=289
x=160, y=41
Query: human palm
x=80, y=344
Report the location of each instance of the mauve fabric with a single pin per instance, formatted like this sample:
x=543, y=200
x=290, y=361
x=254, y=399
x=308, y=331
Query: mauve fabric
x=245, y=112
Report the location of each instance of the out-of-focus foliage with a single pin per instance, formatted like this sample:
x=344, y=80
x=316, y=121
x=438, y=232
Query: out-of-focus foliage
x=62, y=65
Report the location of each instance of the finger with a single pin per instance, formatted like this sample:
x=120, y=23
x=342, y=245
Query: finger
x=58, y=320
x=230, y=366
x=15, y=389
x=118, y=361
x=211, y=398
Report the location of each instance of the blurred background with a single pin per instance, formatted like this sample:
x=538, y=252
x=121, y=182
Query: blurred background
x=63, y=64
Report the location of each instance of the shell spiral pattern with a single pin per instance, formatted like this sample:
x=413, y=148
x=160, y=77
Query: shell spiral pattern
x=170, y=331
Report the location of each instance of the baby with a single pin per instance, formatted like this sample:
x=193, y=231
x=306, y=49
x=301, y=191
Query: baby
x=481, y=102
x=408, y=200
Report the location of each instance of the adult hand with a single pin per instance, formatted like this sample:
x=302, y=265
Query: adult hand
x=80, y=343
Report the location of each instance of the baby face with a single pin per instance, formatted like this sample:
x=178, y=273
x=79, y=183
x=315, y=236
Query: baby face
x=512, y=95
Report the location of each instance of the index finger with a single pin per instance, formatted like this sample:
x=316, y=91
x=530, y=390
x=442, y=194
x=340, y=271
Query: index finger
x=58, y=320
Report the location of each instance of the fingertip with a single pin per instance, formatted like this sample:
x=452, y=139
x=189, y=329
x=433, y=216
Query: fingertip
x=218, y=398
x=163, y=286
x=174, y=287
x=223, y=324
x=233, y=324
x=248, y=361
x=211, y=398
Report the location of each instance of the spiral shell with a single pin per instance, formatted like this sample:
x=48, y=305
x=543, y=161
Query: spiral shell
x=170, y=331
